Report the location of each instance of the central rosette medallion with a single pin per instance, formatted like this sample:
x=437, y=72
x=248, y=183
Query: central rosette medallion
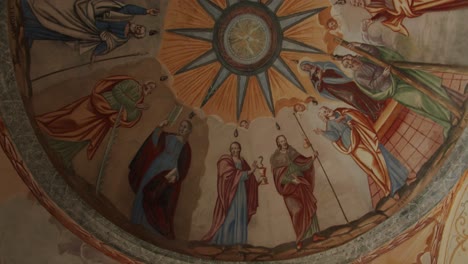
x=247, y=38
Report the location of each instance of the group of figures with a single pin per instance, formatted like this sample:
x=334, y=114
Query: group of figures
x=97, y=26
x=158, y=169
x=237, y=202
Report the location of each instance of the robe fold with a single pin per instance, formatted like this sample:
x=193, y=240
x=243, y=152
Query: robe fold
x=398, y=10
x=364, y=149
x=370, y=80
x=77, y=20
x=229, y=180
x=335, y=85
x=158, y=196
x=299, y=199
x=89, y=118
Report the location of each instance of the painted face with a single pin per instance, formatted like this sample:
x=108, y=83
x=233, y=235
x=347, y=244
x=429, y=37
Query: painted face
x=235, y=150
x=299, y=108
x=282, y=143
x=358, y=3
x=325, y=112
x=332, y=24
x=148, y=88
x=307, y=67
x=184, y=128
x=349, y=62
x=138, y=30
x=244, y=124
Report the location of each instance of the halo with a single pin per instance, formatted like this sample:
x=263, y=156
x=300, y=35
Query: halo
x=299, y=70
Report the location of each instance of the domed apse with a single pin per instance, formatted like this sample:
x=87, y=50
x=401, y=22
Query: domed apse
x=243, y=130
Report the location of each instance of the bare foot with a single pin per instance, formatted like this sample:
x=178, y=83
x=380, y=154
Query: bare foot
x=299, y=246
x=396, y=196
x=409, y=181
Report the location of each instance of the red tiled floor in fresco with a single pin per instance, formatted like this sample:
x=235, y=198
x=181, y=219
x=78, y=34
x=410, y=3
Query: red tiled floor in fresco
x=413, y=139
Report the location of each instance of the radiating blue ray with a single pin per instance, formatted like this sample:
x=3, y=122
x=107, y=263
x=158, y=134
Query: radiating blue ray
x=266, y=90
x=242, y=82
x=291, y=20
x=283, y=68
x=293, y=45
x=206, y=58
x=211, y=8
x=219, y=79
x=274, y=5
x=205, y=34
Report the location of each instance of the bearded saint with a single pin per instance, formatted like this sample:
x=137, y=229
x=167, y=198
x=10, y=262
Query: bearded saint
x=156, y=175
x=237, y=199
x=331, y=83
x=98, y=25
x=352, y=133
x=294, y=176
x=379, y=83
x=393, y=12
x=87, y=121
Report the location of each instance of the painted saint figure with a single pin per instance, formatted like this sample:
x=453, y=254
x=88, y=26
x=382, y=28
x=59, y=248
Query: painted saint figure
x=98, y=25
x=380, y=84
x=294, y=176
x=237, y=199
x=352, y=133
x=333, y=84
x=87, y=121
x=156, y=174
x=393, y=12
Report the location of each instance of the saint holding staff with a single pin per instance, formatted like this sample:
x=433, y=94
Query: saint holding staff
x=156, y=175
x=353, y=134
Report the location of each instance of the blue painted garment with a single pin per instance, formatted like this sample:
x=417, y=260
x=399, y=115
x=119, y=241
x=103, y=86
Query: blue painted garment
x=234, y=229
x=396, y=171
x=167, y=160
x=34, y=30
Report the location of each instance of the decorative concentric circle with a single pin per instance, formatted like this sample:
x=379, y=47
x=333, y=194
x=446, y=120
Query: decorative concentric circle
x=247, y=38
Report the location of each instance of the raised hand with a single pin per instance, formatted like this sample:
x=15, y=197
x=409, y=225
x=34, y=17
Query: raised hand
x=255, y=164
x=365, y=24
x=387, y=71
x=295, y=180
x=318, y=131
x=164, y=123
x=316, y=154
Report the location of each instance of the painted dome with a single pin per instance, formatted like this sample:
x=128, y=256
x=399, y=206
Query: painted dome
x=238, y=130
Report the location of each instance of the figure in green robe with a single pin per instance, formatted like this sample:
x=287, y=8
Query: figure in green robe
x=380, y=84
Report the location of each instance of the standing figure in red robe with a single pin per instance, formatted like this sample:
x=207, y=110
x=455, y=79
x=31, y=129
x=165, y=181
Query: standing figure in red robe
x=294, y=177
x=237, y=199
x=156, y=174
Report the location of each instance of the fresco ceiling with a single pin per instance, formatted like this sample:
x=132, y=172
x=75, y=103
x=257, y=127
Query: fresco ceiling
x=247, y=40
x=243, y=130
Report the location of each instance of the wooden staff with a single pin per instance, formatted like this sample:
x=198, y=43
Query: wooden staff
x=431, y=67
x=105, y=159
x=84, y=64
x=420, y=87
x=321, y=166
